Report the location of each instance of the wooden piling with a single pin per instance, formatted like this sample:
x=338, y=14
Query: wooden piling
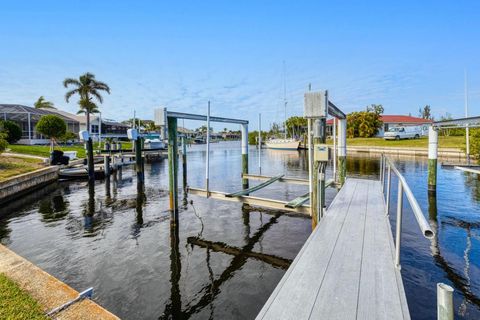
x=245, y=154
x=139, y=159
x=172, y=163
x=342, y=150
x=91, y=167
x=432, y=159
x=106, y=165
x=184, y=165
x=316, y=193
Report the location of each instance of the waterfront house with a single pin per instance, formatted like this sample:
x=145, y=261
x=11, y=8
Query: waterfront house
x=100, y=128
x=27, y=118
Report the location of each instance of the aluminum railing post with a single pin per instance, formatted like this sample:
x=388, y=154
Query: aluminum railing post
x=398, y=235
x=389, y=182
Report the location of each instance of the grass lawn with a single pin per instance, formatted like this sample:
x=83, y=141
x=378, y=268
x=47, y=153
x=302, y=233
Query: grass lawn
x=44, y=151
x=12, y=166
x=16, y=303
x=443, y=142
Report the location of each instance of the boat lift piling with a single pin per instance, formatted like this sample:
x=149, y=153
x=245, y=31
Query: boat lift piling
x=207, y=166
x=466, y=123
x=168, y=119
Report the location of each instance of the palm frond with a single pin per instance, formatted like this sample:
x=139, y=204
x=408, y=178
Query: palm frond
x=71, y=81
x=97, y=95
x=70, y=93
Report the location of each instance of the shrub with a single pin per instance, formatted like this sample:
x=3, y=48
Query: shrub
x=51, y=126
x=12, y=130
x=475, y=143
x=364, y=124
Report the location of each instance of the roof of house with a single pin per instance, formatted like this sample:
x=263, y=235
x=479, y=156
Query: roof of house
x=386, y=118
x=21, y=110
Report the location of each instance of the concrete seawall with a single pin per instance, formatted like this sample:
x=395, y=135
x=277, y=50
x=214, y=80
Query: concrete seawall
x=19, y=185
x=48, y=291
x=446, y=153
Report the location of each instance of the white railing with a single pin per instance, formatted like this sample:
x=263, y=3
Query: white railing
x=386, y=168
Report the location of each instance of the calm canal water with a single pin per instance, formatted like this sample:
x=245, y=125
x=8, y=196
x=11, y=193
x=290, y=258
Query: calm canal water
x=223, y=259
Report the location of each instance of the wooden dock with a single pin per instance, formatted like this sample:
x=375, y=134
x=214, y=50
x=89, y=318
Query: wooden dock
x=346, y=269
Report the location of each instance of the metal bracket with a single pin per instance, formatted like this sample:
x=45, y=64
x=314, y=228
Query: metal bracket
x=82, y=295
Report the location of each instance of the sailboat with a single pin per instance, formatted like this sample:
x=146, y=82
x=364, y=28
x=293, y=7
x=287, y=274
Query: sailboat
x=285, y=143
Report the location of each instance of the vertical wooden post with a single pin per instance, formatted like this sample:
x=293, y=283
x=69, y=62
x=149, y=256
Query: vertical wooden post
x=334, y=138
x=323, y=139
x=207, y=158
x=173, y=164
x=432, y=159
x=184, y=165
x=310, y=162
x=91, y=167
x=139, y=159
x=316, y=192
x=342, y=150
x=259, y=143
x=106, y=166
x=245, y=154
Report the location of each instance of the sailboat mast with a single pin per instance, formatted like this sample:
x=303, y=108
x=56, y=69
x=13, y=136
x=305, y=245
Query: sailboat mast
x=285, y=98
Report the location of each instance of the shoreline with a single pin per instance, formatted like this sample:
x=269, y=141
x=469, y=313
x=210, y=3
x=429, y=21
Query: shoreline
x=48, y=291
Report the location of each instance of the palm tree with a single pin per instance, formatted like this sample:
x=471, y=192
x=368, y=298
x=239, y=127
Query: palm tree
x=87, y=87
x=41, y=103
x=88, y=107
x=150, y=126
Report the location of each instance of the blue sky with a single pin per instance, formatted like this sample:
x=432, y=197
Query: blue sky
x=180, y=54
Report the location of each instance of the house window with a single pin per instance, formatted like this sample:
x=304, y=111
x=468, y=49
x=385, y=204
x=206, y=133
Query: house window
x=94, y=128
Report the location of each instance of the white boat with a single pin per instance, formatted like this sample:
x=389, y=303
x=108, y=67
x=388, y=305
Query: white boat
x=283, y=144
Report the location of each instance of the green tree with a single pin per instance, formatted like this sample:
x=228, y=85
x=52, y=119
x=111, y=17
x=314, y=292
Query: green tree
x=426, y=112
x=12, y=131
x=41, y=103
x=67, y=137
x=3, y=138
x=364, y=124
x=475, y=143
x=253, y=137
x=87, y=107
x=376, y=108
x=51, y=126
x=296, y=126
x=87, y=88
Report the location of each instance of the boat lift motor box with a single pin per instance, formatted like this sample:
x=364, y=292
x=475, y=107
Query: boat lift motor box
x=83, y=135
x=316, y=104
x=321, y=152
x=132, y=134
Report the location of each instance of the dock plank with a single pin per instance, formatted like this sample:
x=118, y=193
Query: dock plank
x=337, y=296
x=301, y=285
x=346, y=268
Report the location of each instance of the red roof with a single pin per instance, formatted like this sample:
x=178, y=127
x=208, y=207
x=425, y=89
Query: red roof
x=397, y=119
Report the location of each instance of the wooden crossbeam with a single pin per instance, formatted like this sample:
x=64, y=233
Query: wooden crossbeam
x=467, y=169
x=282, y=179
x=254, y=201
x=255, y=188
x=297, y=202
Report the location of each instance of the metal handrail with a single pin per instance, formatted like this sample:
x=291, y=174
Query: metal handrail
x=386, y=168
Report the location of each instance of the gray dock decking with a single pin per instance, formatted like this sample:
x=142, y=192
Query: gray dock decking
x=346, y=268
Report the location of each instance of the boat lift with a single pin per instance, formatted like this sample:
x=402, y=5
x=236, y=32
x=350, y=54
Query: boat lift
x=470, y=122
x=317, y=108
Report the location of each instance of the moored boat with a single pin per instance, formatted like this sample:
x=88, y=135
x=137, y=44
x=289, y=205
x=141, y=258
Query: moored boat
x=283, y=144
